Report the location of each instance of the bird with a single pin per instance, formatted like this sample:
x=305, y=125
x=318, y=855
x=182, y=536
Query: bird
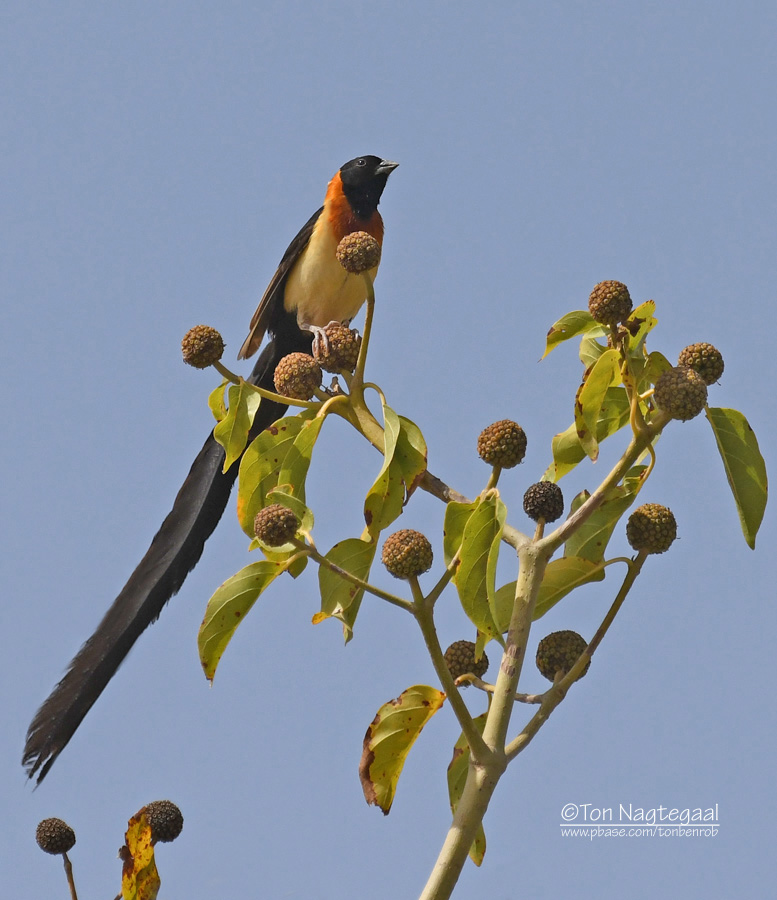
x=308, y=291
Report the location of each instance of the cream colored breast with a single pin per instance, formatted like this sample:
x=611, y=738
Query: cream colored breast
x=319, y=288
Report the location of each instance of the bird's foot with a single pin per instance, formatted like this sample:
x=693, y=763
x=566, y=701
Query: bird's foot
x=320, y=337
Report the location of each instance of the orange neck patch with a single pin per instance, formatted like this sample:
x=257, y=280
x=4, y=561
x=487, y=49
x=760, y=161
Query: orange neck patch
x=342, y=218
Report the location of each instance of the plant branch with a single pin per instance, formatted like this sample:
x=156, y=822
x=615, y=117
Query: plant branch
x=69, y=875
x=469, y=678
x=425, y=617
x=552, y=697
x=483, y=776
x=639, y=443
x=364, y=585
x=263, y=392
x=472, y=806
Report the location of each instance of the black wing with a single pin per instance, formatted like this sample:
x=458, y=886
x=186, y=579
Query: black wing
x=271, y=305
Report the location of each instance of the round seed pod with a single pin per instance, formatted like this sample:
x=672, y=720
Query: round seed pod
x=202, y=346
x=165, y=819
x=460, y=659
x=358, y=252
x=558, y=652
x=407, y=554
x=297, y=376
x=502, y=444
x=610, y=302
x=54, y=836
x=681, y=392
x=652, y=528
x=704, y=359
x=275, y=525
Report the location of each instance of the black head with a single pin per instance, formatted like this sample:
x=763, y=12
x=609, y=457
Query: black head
x=363, y=181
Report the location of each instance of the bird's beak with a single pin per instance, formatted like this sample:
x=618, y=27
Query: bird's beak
x=386, y=167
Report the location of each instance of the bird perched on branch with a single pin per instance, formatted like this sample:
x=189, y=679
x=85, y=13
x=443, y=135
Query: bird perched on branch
x=308, y=291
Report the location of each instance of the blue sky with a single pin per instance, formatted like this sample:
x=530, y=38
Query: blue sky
x=158, y=159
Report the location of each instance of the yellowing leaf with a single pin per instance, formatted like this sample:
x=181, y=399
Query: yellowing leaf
x=261, y=465
x=745, y=467
x=655, y=366
x=566, y=446
x=410, y=453
x=216, y=402
x=340, y=597
x=389, y=739
x=590, y=398
x=296, y=463
x=643, y=317
x=457, y=777
x=227, y=608
x=574, y=323
x=139, y=876
x=590, y=350
x=283, y=495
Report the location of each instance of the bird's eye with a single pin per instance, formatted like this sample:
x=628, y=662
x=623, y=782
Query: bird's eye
x=361, y=162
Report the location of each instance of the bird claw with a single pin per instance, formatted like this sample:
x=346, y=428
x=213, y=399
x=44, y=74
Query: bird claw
x=320, y=337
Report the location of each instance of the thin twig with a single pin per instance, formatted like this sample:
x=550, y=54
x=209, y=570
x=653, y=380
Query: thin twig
x=69, y=875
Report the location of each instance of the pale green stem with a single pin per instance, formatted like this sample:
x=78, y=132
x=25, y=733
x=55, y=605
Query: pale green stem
x=554, y=695
x=425, y=618
x=364, y=585
x=532, y=564
x=638, y=444
x=263, y=392
x=483, y=777
x=493, y=478
x=481, y=685
x=357, y=380
x=480, y=785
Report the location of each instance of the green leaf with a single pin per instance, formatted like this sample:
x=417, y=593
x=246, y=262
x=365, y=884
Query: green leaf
x=341, y=598
x=590, y=350
x=296, y=463
x=456, y=517
x=745, y=467
x=390, y=738
x=285, y=552
x=410, y=453
x=479, y=550
x=591, y=538
x=504, y=600
x=566, y=447
x=590, y=399
x=561, y=577
x=232, y=431
x=574, y=323
x=385, y=498
x=655, y=366
x=227, y=608
x=457, y=777
x=284, y=496
x=262, y=463
x=217, y=403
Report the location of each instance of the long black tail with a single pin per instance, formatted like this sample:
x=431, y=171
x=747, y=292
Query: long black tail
x=173, y=553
